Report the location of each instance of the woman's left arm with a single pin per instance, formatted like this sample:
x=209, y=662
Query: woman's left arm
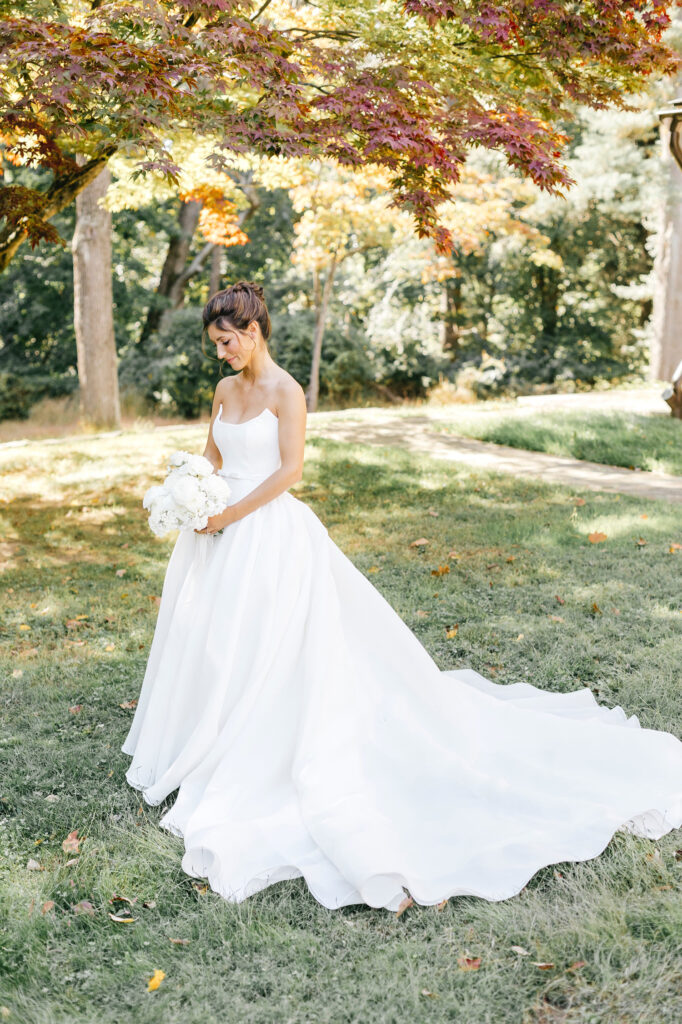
x=291, y=411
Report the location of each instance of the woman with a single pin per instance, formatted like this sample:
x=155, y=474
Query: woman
x=308, y=731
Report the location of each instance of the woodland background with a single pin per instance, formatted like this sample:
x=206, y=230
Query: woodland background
x=539, y=291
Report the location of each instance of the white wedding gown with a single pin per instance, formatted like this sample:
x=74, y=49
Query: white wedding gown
x=311, y=734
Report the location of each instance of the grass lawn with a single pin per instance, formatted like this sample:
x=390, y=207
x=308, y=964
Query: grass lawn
x=532, y=598
x=636, y=441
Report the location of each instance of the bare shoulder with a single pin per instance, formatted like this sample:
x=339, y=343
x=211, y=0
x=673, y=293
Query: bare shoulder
x=289, y=393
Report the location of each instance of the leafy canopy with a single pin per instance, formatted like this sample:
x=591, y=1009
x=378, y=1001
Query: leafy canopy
x=408, y=85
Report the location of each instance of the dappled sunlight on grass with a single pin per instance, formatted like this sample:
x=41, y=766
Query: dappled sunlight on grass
x=507, y=583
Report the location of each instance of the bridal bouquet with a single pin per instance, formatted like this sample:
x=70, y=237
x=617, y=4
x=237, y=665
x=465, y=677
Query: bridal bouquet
x=190, y=494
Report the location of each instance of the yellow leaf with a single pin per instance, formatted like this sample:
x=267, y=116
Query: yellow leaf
x=373, y=568
x=24, y=626
x=109, y=647
x=452, y=632
x=155, y=980
x=441, y=570
x=122, y=920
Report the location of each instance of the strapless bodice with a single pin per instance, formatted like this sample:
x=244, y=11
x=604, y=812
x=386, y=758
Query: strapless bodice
x=250, y=450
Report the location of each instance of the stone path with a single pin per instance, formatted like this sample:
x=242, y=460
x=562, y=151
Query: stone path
x=414, y=433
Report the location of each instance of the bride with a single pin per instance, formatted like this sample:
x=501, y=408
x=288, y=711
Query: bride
x=307, y=730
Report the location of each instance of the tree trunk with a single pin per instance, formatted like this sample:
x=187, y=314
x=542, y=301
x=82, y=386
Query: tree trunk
x=166, y=295
x=322, y=307
x=215, y=280
x=93, y=307
x=451, y=298
x=666, y=346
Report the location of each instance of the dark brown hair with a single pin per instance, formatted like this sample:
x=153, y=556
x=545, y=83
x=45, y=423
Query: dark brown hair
x=237, y=306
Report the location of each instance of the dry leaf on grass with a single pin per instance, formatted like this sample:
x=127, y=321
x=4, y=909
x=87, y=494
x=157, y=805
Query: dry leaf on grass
x=407, y=902
x=419, y=542
x=596, y=538
x=469, y=963
x=72, y=842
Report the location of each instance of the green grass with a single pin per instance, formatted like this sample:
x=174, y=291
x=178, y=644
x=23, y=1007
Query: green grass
x=71, y=518
x=636, y=441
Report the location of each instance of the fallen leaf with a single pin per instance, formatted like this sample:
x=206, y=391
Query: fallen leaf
x=641, y=542
x=596, y=609
x=578, y=501
x=453, y=554
x=468, y=963
x=511, y=558
x=520, y=637
x=452, y=632
x=33, y=865
x=541, y=965
x=154, y=598
x=596, y=538
x=441, y=905
x=47, y=906
x=110, y=647
x=520, y=950
x=407, y=902
x=52, y=798
x=432, y=513
x=559, y=599
x=441, y=570
x=419, y=542
x=155, y=980
x=17, y=673
x=69, y=863
x=122, y=919
x=555, y=618
x=575, y=966
x=122, y=899
x=128, y=703
x=179, y=942
x=373, y=568
x=121, y=572
x=493, y=565
x=72, y=842
x=431, y=995
x=24, y=626
x=149, y=904
x=420, y=613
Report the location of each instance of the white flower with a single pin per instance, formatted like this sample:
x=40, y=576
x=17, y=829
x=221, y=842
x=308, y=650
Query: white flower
x=188, y=464
x=152, y=495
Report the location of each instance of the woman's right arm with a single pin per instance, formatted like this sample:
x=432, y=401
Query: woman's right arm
x=211, y=451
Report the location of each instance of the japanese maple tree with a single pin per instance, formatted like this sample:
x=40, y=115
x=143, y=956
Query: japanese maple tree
x=405, y=84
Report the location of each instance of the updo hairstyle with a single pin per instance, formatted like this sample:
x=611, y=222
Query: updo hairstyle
x=237, y=306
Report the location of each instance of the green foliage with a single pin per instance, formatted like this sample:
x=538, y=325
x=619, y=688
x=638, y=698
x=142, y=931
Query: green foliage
x=172, y=371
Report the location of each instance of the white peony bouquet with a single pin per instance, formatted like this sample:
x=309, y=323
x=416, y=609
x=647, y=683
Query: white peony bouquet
x=190, y=494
